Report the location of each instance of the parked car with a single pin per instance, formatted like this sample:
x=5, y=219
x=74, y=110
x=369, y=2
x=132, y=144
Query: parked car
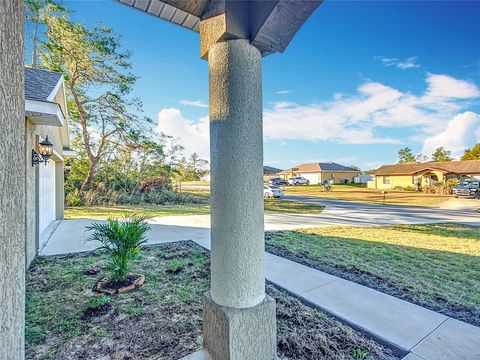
x=278, y=182
x=468, y=188
x=298, y=180
x=271, y=191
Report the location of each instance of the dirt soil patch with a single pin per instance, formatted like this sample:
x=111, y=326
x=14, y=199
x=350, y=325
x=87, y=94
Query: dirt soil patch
x=132, y=282
x=354, y=273
x=163, y=318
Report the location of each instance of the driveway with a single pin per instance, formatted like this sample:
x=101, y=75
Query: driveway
x=461, y=204
x=69, y=235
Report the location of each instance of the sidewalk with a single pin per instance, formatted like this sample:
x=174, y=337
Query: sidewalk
x=423, y=333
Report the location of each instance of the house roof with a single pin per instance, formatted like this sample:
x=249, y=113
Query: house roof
x=41, y=84
x=321, y=166
x=271, y=170
x=456, y=167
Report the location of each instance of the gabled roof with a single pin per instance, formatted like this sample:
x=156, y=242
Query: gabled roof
x=325, y=166
x=455, y=167
x=41, y=84
x=320, y=166
x=271, y=170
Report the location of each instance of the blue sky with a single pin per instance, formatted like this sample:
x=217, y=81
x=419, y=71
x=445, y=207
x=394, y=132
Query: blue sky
x=357, y=83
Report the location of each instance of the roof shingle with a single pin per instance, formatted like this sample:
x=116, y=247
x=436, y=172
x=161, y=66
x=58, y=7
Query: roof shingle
x=40, y=83
x=456, y=167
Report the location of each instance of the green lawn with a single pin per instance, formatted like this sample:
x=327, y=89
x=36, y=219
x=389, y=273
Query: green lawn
x=437, y=266
x=272, y=206
x=357, y=192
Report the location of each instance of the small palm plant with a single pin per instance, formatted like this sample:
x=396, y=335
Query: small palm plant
x=122, y=240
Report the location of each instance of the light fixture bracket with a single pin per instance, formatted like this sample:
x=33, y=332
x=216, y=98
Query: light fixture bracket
x=45, y=151
x=38, y=159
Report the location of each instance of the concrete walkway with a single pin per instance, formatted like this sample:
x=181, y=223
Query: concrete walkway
x=422, y=333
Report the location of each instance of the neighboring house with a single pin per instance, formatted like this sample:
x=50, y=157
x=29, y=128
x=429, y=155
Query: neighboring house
x=317, y=173
x=45, y=115
x=270, y=172
x=423, y=174
x=363, y=179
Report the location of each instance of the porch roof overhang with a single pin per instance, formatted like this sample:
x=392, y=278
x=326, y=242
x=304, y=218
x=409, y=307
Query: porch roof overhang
x=44, y=112
x=270, y=25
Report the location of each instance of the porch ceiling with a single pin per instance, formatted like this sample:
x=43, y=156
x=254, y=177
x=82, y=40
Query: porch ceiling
x=270, y=25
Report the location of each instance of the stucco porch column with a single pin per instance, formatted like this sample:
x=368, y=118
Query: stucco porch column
x=12, y=182
x=236, y=153
x=239, y=321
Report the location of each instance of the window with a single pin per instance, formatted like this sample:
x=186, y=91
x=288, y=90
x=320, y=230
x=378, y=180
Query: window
x=386, y=180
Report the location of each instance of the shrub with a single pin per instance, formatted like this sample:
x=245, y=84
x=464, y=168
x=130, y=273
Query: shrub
x=114, y=197
x=410, y=188
x=445, y=188
x=157, y=183
x=398, y=188
x=75, y=198
x=122, y=239
x=98, y=301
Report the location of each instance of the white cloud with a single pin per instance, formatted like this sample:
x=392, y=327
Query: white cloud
x=193, y=136
x=196, y=103
x=283, y=92
x=460, y=133
x=408, y=63
x=363, y=117
x=444, y=86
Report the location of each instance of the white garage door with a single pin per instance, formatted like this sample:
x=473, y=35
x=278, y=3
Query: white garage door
x=313, y=178
x=46, y=195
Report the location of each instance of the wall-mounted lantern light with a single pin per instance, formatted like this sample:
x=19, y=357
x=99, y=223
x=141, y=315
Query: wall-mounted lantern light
x=45, y=151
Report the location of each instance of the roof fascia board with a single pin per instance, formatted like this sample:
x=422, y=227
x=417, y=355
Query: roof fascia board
x=48, y=110
x=57, y=87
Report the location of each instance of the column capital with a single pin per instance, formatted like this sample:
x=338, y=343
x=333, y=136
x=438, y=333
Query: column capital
x=268, y=25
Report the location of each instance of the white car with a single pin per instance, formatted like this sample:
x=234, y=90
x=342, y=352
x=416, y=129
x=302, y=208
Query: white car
x=271, y=191
x=298, y=180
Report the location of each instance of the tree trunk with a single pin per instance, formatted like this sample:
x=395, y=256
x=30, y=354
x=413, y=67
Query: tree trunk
x=87, y=185
x=94, y=160
x=35, y=43
x=12, y=181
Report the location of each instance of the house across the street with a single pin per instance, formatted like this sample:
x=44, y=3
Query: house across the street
x=423, y=174
x=270, y=172
x=45, y=116
x=317, y=173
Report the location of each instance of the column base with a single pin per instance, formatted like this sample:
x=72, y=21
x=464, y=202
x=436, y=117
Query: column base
x=240, y=334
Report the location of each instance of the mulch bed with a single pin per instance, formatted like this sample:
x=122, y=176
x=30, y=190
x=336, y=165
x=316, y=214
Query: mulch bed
x=162, y=319
x=132, y=282
x=374, y=281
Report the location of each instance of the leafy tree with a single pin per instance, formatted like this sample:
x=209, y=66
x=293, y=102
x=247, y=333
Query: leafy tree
x=192, y=169
x=472, y=154
x=421, y=158
x=405, y=155
x=442, y=154
x=35, y=12
x=99, y=83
